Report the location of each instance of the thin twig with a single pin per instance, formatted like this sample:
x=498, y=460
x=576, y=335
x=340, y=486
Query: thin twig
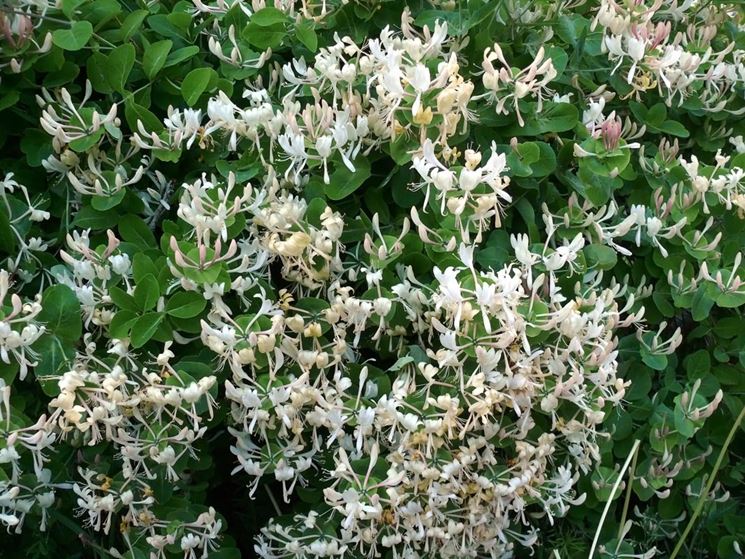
x=273, y=500
x=610, y=498
x=628, y=494
x=709, y=482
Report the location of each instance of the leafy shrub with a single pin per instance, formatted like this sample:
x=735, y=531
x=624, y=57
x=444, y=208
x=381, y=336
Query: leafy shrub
x=367, y=278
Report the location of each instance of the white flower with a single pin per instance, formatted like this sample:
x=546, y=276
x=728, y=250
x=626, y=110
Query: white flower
x=120, y=263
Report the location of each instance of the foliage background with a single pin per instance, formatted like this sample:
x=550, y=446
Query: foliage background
x=146, y=57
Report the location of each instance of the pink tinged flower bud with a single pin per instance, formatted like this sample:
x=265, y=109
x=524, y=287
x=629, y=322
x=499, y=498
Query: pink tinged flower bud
x=661, y=33
x=180, y=259
x=112, y=244
x=610, y=131
x=5, y=29
x=25, y=30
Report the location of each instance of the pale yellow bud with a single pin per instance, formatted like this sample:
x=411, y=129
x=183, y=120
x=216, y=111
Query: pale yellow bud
x=423, y=117
x=295, y=323
x=265, y=343
x=246, y=356
x=313, y=330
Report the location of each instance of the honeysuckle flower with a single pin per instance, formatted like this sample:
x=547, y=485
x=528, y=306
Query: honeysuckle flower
x=440, y=389
x=506, y=85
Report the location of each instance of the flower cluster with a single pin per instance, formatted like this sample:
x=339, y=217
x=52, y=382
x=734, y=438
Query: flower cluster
x=477, y=422
x=679, y=64
x=18, y=327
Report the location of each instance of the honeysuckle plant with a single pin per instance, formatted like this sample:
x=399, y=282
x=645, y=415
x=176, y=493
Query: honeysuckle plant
x=369, y=278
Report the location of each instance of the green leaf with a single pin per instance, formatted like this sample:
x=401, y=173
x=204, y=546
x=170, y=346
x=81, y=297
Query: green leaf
x=63, y=76
x=155, y=57
x=8, y=372
x=567, y=29
x=639, y=110
x=181, y=55
x=81, y=145
x=728, y=547
x=36, y=145
x=74, y=38
x=495, y=253
x=134, y=230
x=527, y=212
x=603, y=480
x=132, y=23
x=121, y=324
x=459, y=20
x=144, y=328
x=727, y=300
x=185, y=304
x=674, y=128
x=401, y=363
x=99, y=12
x=164, y=27
x=268, y=16
x=641, y=383
x=520, y=158
x=7, y=237
x=313, y=305
x=604, y=163
x=701, y=304
x=559, y=59
x=595, y=188
x=698, y=364
x=728, y=327
x=600, y=256
x=123, y=300
x=119, y=64
x=546, y=163
x=54, y=354
x=683, y=425
x=306, y=34
x=61, y=312
x=87, y=218
x=69, y=7
x=656, y=115
x=167, y=155
x=51, y=61
x=344, y=182
x=555, y=117
x=134, y=113
x=147, y=293
x=402, y=149
x=402, y=194
x=195, y=83
x=181, y=20
x=9, y=99
x=655, y=361
x=103, y=203
x=142, y=265
x=264, y=37
x=96, y=68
